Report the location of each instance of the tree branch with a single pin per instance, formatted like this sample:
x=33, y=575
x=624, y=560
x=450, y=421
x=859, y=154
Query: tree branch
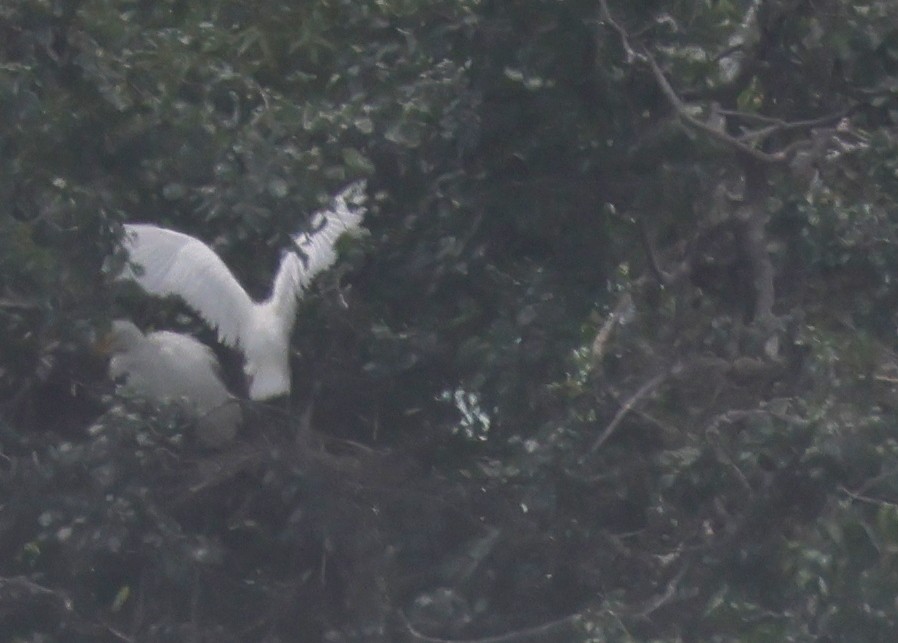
x=559, y=630
x=777, y=125
x=621, y=32
x=740, y=143
x=668, y=594
x=715, y=133
x=753, y=216
x=621, y=309
x=646, y=389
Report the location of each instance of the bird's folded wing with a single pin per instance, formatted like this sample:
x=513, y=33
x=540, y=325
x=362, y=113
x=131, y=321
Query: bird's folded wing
x=187, y=349
x=166, y=262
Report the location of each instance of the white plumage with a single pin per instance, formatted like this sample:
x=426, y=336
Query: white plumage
x=168, y=366
x=172, y=263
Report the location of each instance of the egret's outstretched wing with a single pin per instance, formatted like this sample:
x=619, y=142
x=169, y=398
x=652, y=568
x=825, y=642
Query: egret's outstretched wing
x=172, y=263
x=316, y=249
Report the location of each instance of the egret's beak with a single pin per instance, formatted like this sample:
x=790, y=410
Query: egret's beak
x=103, y=346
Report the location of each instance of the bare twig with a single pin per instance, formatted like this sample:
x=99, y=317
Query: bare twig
x=737, y=415
x=19, y=304
x=727, y=51
x=644, y=390
x=558, y=630
x=621, y=32
x=121, y=636
x=220, y=468
x=668, y=594
x=18, y=588
x=654, y=265
x=778, y=125
x=872, y=482
x=867, y=499
x=624, y=304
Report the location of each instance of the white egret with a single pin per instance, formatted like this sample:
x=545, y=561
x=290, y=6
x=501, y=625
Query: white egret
x=172, y=263
x=167, y=366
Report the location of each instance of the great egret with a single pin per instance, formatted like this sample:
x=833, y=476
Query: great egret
x=170, y=366
x=172, y=263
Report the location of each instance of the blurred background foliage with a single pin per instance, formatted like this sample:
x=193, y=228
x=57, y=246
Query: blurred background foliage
x=615, y=362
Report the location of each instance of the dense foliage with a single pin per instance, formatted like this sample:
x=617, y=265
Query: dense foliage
x=614, y=362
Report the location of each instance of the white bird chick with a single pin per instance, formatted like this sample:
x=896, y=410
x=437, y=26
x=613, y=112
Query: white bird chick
x=172, y=263
x=167, y=366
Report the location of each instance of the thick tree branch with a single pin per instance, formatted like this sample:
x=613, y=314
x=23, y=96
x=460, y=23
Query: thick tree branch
x=713, y=132
x=746, y=143
x=753, y=216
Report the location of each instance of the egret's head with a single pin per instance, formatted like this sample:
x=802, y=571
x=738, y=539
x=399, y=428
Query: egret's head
x=267, y=365
x=122, y=337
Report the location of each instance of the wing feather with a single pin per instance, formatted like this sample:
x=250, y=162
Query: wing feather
x=172, y=263
x=316, y=249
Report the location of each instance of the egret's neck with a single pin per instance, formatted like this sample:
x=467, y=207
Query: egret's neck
x=266, y=350
x=277, y=313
